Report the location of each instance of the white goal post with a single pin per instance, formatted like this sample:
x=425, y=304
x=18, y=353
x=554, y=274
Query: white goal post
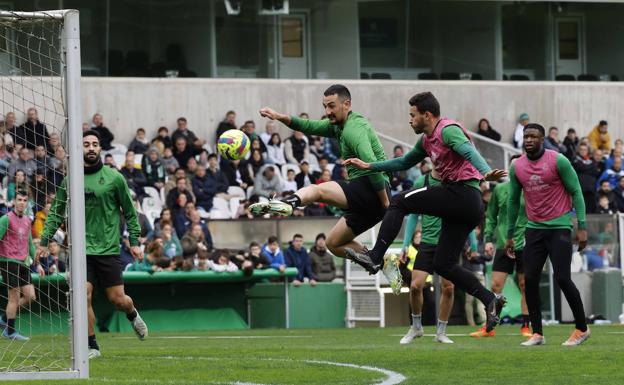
x=40, y=68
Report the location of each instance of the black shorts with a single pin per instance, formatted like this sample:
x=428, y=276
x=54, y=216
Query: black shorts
x=14, y=274
x=107, y=270
x=425, y=257
x=504, y=264
x=364, y=209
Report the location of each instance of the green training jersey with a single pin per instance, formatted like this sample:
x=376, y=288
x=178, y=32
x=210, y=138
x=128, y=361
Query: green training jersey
x=357, y=140
x=496, y=218
x=106, y=192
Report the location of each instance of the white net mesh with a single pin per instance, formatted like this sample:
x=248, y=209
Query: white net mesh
x=32, y=160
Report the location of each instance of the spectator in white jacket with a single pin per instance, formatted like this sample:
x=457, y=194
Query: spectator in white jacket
x=268, y=182
x=275, y=150
x=269, y=130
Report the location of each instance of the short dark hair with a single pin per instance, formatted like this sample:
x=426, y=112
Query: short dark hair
x=272, y=239
x=21, y=192
x=249, y=122
x=338, y=89
x=553, y=128
x=603, y=123
x=163, y=128
x=297, y=236
x=213, y=155
x=108, y=156
x=320, y=235
x=181, y=178
x=425, y=101
x=535, y=126
x=181, y=119
x=230, y=112
x=254, y=244
x=571, y=130
x=91, y=133
x=140, y=129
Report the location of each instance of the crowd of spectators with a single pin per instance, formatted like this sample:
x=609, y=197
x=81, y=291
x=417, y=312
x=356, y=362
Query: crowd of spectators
x=179, y=182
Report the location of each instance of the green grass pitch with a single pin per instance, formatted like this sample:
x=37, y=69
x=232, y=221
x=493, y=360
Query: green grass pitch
x=310, y=357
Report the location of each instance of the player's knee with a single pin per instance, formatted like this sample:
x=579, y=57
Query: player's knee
x=497, y=286
x=118, y=300
x=417, y=286
x=331, y=244
x=29, y=297
x=448, y=290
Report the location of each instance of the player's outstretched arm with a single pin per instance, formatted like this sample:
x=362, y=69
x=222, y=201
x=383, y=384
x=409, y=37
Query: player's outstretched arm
x=307, y=126
x=405, y=162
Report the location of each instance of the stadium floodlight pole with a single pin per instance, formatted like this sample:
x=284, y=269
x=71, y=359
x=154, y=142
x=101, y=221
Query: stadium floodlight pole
x=71, y=39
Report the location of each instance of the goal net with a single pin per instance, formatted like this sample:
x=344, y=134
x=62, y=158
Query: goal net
x=43, y=304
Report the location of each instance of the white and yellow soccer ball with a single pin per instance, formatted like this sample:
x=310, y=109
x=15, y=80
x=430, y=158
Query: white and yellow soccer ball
x=233, y=144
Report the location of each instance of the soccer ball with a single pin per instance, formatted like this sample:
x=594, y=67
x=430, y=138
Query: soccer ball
x=233, y=144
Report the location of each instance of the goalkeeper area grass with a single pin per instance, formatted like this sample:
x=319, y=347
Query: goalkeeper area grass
x=355, y=356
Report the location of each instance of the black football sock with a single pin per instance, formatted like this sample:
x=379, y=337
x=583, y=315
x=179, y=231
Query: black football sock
x=10, y=326
x=292, y=200
x=132, y=315
x=93, y=343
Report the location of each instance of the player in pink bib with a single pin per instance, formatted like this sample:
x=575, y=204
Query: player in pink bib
x=457, y=200
x=551, y=189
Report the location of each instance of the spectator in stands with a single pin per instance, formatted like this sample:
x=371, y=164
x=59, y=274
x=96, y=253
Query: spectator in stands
x=195, y=219
x=191, y=167
x=171, y=243
x=570, y=143
x=398, y=180
x=323, y=164
x=267, y=183
x=152, y=260
x=615, y=153
x=216, y=177
x=147, y=230
x=484, y=128
x=229, y=123
x=587, y=171
x=606, y=190
x=249, y=128
x=269, y=130
x=252, y=259
x=25, y=162
x=53, y=263
x=397, y=151
x=9, y=129
x=256, y=145
x=165, y=216
x=195, y=235
x=316, y=147
x=173, y=180
x=5, y=158
x=42, y=160
x=297, y=256
x=304, y=115
x=323, y=265
x=618, y=192
x=183, y=132
x=32, y=133
x=182, y=215
x=272, y=252
x=236, y=173
x=612, y=174
x=599, y=137
x=552, y=140
x=296, y=148
x=181, y=188
x=134, y=176
x=154, y=170
x=275, y=150
x=183, y=152
x=110, y=161
x=255, y=163
x=204, y=188
x=139, y=144
x=221, y=263
x=518, y=136
x=106, y=136
x=53, y=142
x=599, y=159
x=58, y=166
x=40, y=218
x=163, y=138
x=203, y=158
x=306, y=177
x=603, y=206
x=169, y=162
x=290, y=184
x=41, y=188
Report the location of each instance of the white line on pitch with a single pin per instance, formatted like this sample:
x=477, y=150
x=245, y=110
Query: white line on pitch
x=211, y=337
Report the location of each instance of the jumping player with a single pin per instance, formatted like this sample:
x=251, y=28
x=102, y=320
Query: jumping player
x=16, y=252
x=496, y=229
x=457, y=201
x=423, y=268
x=365, y=196
x=551, y=188
x=106, y=191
